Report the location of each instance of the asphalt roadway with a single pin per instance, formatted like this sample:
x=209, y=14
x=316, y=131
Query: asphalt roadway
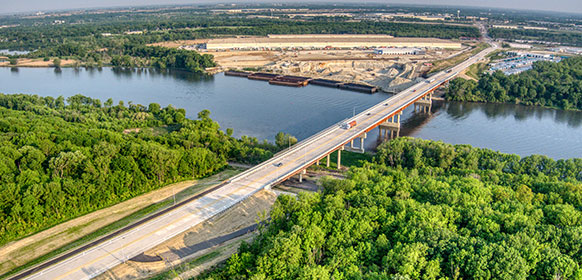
x=99, y=257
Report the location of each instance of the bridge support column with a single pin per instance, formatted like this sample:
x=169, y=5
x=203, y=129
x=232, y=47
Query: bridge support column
x=339, y=158
x=304, y=171
x=424, y=104
x=390, y=129
x=328, y=161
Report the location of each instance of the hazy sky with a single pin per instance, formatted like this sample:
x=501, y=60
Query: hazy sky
x=16, y=6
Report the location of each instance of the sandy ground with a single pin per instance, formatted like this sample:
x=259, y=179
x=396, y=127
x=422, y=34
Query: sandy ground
x=244, y=214
x=37, y=62
x=27, y=249
x=178, y=43
x=243, y=59
x=389, y=72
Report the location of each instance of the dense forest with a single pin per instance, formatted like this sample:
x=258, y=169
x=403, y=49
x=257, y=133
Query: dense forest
x=547, y=84
x=569, y=38
x=60, y=160
x=426, y=210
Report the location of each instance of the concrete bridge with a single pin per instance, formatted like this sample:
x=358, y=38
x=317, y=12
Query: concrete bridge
x=93, y=261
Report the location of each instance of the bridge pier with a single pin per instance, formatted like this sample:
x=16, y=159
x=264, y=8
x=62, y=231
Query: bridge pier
x=339, y=157
x=361, y=148
x=390, y=129
x=424, y=104
x=327, y=161
x=304, y=171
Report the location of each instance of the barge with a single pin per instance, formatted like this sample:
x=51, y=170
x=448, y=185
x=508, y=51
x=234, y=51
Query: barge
x=359, y=87
x=293, y=81
x=262, y=76
x=325, y=83
x=237, y=73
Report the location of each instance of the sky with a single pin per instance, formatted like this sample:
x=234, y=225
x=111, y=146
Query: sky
x=18, y=6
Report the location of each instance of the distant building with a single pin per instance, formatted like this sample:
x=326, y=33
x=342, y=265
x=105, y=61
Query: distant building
x=399, y=51
x=505, y=26
x=520, y=61
x=535, y=28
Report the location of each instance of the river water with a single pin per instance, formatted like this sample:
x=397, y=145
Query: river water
x=257, y=109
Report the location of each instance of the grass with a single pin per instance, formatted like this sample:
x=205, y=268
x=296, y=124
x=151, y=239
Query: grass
x=131, y=218
x=349, y=159
x=475, y=70
x=176, y=271
x=498, y=54
x=440, y=65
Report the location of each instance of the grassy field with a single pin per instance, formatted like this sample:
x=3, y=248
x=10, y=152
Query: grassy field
x=348, y=159
x=475, y=70
x=440, y=65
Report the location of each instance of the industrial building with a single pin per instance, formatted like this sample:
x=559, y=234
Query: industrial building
x=349, y=41
x=399, y=51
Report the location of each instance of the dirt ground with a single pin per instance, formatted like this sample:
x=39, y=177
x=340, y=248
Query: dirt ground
x=37, y=62
x=244, y=214
x=175, y=44
x=389, y=72
x=243, y=59
x=20, y=252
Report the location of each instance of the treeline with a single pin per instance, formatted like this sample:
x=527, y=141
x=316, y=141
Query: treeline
x=60, y=160
x=547, y=84
x=414, y=153
x=156, y=29
x=569, y=38
x=162, y=58
x=419, y=217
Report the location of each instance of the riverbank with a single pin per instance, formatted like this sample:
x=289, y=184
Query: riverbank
x=39, y=62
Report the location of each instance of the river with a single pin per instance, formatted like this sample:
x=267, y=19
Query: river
x=257, y=109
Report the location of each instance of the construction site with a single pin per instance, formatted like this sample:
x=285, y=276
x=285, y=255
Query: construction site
x=388, y=63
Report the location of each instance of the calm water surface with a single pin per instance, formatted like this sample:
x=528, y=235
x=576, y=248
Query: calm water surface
x=258, y=109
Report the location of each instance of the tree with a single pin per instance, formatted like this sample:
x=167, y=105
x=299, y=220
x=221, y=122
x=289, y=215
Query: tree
x=154, y=108
x=284, y=140
x=57, y=62
x=13, y=61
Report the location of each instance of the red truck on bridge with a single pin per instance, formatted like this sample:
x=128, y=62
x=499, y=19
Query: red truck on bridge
x=349, y=125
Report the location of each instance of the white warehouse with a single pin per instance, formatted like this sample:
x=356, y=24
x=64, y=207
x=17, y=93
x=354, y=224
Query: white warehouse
x=399, y=51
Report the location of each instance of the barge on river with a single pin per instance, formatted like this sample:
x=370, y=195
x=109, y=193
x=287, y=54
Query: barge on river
x=292, y=81
x=298, y=81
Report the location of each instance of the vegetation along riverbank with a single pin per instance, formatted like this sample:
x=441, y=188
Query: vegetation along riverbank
x=557, y=85
x=430, y=210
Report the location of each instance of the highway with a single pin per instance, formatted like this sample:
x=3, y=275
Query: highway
x=93, y=261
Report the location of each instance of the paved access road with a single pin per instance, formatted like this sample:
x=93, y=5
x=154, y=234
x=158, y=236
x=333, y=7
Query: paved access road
x=94, y=261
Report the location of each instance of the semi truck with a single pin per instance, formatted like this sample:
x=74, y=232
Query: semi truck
x=349, y=125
